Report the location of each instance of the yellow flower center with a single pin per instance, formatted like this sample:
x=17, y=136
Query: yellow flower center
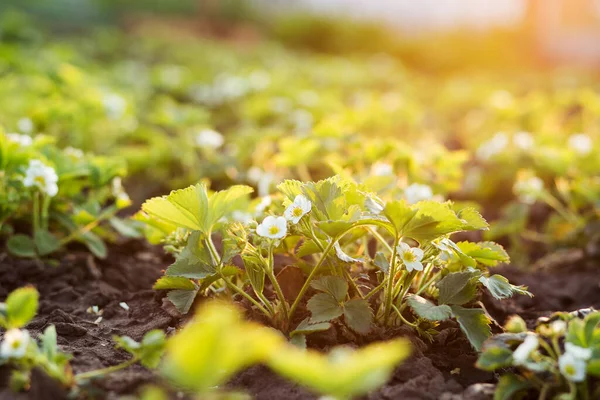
x=273, y=230
x=570, y=369
x=40, y=179
x=16, y=344
x=297, y=212
x=409, y=257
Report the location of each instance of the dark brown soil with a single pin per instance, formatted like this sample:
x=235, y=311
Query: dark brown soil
x=443, y=369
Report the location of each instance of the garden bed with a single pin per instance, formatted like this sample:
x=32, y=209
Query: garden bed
x=443, y=369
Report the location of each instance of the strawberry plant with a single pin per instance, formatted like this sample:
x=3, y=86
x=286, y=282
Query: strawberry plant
x=370, y=260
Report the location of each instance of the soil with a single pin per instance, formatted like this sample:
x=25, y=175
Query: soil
x=443, y=369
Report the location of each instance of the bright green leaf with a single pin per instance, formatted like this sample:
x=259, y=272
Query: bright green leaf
x=21, y=306
x=173, y=282
x=427, y=310
x=474, y=323
x=501, y=288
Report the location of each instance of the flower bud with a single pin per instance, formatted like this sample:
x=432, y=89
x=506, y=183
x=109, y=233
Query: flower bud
x=515, y=324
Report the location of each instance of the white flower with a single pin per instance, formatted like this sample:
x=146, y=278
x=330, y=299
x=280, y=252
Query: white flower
x=342, y=255
x=411, y=256
x=374, y=205
x=241, y=216
x=265, y=202
x=581, y=353
x=558, y=327
x=73, y=152
x=528, y=189
x=446, y=247
x=298, y=209
x=14, y=344
x=382, y=169
x=523, y=140
x=210, y=139
x=417, y=192
x=492, y=147
x=114, y=105
x=40, y=175
x=581, y=143
x=521, y=354
x=25, y=125
x=302, y=120
x=572, y=368
x=119, y=193
x=272, y=227
x=22, y=140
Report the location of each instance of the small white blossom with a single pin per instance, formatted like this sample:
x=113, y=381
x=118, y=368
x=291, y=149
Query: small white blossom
x=572, y=368
x=581, y=143
x=21, y=140
x=42, y=176
x=25, y=125
x=299, y=208
x=74, y=153
x=523, y=140
x=14, y=344
x=241, y=216
x=492, y=147
x=529, y=345
x=272, y=227
x=343, y=256
x=528, y=189
x=119, y=193
x=209, y=139
x=382, y=169
x=558, y=327
x=374, y=204
x=417, y=192
x=265, y=202
x=410, y=256
x=581, y=353
x=114, y=105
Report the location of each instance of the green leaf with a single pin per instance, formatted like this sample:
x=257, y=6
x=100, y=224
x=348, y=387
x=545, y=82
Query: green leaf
x=95, y=244
x=473, y=220
x=182, y=299
x=334, y=228
x=427, y=310
x=323, y=307
x=501, y=288
x=489, y=254
x=127, y=228
x=21, y=246
x=185, y=208
x=195, y=261
x=152, y=349
x=358, y=315
x=307, y=248
x=457, y=288
x=509, y=385
x=327, y=198
x=45, y=242
x=474, y=323
x=333, y=285
x=255, y=271
x=306, y=326
x=173, y=282
x=399, y=213
x=224, y=202
x=21, y=307
x=48, y=340
x=593, y=367
x=494, y=358
x=381, y=262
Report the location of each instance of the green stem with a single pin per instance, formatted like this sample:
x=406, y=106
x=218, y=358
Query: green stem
x=310, y=278
x=390, y=283
x=105, y=371
x=429, y=282
x=375, y=290
x=45, y=207
x=381, y=239
x=399, y=313
x=36, y=212
x=85, y=229
x=275, y=283
x=236, y=289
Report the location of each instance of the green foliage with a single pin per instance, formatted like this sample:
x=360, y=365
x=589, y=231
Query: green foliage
x=149, y=351
x=20, y=307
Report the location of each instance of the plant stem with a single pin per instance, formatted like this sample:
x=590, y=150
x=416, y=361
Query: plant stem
x=375, y=290
x=275, y=283
x=390, y=283
x=399, y=313
x=36, y=212
x=236, y=289
x=381, y=239
x=310, y=278
x=105, y=371
x=45, y=206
